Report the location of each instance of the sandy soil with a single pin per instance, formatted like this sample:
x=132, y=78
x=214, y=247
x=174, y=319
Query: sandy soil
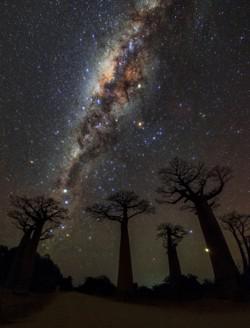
x=76, y=310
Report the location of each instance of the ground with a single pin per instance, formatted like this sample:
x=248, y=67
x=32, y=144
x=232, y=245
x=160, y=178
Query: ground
x=77, y=310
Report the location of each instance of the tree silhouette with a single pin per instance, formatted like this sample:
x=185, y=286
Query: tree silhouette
x=239, y=226
x=46, y=274
x=197, y=188
x=121, y=207
x=37, y=217
x=172, y=235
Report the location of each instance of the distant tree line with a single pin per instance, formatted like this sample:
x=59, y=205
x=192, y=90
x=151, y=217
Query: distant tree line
x=192, y=185
x=46, y=275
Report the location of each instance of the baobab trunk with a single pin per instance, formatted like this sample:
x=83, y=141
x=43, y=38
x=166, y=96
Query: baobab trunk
x=242, y=253
x=125, y=275
x=28, y=264
x=21, y=279
x=225, y=271
x=173, y=261
x=247, y=247
x=17, y=261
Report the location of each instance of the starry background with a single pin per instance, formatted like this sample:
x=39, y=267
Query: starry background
x=195, y=106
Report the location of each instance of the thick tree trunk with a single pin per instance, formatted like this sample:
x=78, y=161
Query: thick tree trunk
x=242, y=253
x=22, y=270
x=246, y=243
x=225, y=271
x=125, y=275
x=28, y=263
x=173, y=261
x=21, y=250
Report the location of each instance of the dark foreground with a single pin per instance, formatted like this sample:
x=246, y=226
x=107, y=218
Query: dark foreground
x=77, y=310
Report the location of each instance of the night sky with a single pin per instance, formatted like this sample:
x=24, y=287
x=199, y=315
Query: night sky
x=187, y=82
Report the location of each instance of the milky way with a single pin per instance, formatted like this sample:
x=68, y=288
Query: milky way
x=119, y=82
x=98, y=95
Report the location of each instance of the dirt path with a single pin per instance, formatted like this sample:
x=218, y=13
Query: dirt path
x=75, y=310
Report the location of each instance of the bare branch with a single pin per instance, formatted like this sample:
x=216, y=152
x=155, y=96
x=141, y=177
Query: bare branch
x=121, y=207
x=29, y=213
x=190, y=183
x=219, y=176
x=102, y=211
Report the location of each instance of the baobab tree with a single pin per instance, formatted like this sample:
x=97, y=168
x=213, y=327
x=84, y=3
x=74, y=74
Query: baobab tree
x=197, y=188
x=172, y=235
x=239, y=226
x=121, y=207
x=37, y=218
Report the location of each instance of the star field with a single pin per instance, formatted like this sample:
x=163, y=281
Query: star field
x=193, y=104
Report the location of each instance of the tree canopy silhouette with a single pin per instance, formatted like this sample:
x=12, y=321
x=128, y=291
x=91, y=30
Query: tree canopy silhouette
x=121, y=207
x=197, y=188
x=38, y=213
x=192, y=183
x=37, y=217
